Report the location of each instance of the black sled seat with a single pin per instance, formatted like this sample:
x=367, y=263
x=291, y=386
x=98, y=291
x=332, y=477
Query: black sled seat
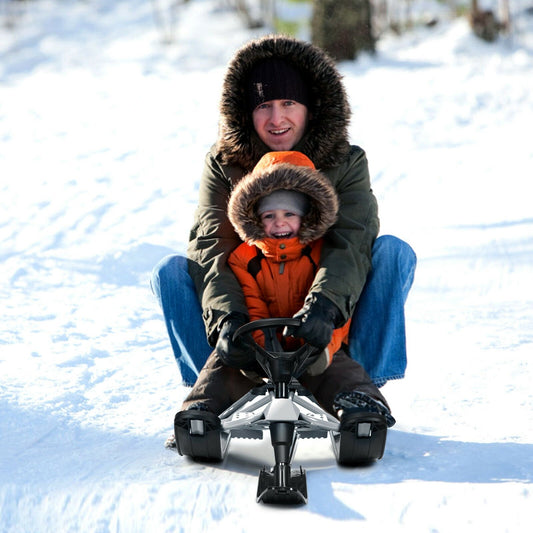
x=199, y=435
x=361, y=438
x=288, y=412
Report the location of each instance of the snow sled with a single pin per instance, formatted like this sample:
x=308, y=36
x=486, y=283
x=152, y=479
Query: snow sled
x=285, y=409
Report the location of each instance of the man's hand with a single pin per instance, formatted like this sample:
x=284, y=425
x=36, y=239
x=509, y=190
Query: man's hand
x=319, y=318
x=234, y=354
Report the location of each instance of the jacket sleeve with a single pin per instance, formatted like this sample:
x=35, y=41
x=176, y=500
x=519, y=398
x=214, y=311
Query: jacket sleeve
x=257, y=306
x=346, y=253
x=211, y=240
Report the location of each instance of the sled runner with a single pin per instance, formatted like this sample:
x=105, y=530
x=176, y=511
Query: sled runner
x=288, y=412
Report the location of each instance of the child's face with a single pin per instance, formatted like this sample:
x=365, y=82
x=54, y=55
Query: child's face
x=281, y=224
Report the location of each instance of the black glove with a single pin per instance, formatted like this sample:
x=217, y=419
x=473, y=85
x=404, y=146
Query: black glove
x=234, y=354
x=319, y=317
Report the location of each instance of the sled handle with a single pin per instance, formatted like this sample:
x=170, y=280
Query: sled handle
x=265, y=323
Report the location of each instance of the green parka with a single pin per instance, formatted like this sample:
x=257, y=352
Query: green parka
x=346, y=252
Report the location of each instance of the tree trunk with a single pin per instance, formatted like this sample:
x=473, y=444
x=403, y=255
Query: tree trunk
x=483, y=22
x=343, y=28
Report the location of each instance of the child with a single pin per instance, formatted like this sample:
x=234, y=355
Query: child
x=281, y=211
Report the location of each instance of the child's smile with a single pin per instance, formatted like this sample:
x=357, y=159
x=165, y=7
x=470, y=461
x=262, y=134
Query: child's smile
x=281, y=223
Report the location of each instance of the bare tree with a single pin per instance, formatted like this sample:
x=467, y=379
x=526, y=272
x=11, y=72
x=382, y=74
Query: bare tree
x=12, y=11
x=256, y=13
x=166, y=17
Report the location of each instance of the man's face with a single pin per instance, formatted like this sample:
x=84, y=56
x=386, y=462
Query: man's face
x=280, y=124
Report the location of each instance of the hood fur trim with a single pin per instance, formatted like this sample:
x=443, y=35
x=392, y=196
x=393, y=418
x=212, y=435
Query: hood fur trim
x=326, y=139
x=323, y=201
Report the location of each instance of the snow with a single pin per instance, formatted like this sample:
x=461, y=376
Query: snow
x=103, y=130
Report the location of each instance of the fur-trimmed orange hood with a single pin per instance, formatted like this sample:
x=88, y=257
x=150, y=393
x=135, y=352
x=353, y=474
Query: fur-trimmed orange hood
x=323, y=201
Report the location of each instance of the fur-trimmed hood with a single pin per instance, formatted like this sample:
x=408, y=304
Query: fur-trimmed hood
x=323, y=201
x=326, y=139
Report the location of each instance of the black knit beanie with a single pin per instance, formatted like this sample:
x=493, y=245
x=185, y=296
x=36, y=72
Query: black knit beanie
x=275, y=79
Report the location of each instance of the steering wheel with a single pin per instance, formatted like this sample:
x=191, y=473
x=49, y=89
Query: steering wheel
x=279, y=364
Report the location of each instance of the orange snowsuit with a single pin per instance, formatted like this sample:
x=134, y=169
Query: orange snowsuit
x=275, y=276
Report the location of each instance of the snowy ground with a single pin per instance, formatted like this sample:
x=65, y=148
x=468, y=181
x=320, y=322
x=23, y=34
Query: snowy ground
x=103, y=130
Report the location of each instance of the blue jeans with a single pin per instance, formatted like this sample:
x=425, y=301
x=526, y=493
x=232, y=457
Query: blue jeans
x=377, y=335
